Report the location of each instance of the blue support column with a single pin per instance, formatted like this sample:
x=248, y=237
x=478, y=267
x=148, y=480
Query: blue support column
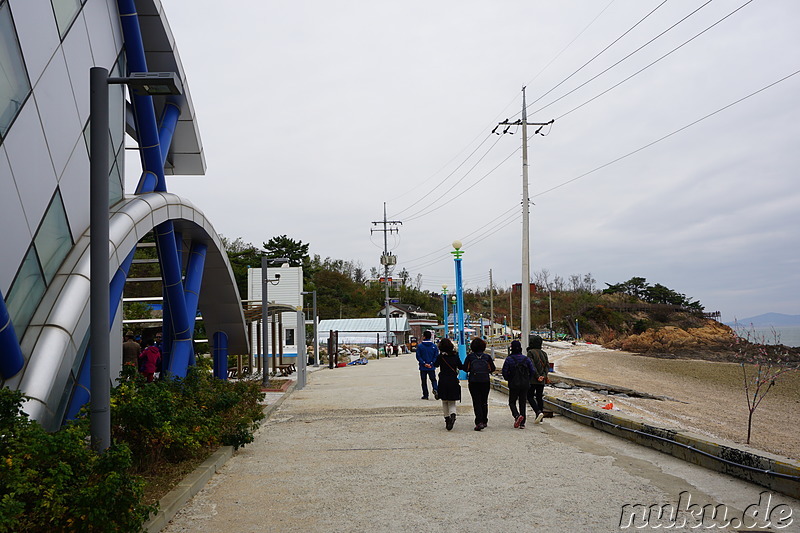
x=146, y=126
x=11, y=359
x=175, y=302
x=166, y=129
x=80, y=396
x=220, y=355
x=192, y=282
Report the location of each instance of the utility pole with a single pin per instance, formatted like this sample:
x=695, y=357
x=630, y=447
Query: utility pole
x=387, y=259
x=525, y=326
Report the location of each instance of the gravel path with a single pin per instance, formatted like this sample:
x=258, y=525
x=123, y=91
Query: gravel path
x=357, y=450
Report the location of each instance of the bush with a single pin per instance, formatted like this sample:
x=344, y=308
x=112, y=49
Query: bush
x=55, y=482
x=177, y=419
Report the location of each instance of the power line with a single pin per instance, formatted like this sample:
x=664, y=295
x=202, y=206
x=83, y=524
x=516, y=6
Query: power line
x=439, y=204
x=644, y=68
x=668, y=135
x=609, y=46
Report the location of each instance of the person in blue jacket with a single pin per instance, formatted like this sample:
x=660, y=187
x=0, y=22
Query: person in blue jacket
x=426, y=355
x=517, y=371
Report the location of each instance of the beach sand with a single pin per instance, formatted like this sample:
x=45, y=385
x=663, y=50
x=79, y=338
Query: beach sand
x=707, y=398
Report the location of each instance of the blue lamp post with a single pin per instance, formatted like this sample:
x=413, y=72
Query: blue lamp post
x=455, y=314
x=462, y=348
x=444, y=301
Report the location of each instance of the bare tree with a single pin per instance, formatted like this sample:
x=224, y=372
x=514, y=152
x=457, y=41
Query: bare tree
x=589, y=282
x=574, y=282
x=762, y=365
x=558, y=284
x=542, y=279
x=418, y=283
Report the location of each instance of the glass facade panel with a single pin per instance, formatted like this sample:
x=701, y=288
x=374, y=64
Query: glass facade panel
x=26, y=293
x=114, y=185
x=14, y=84
x=53, y=240
x=65, y=11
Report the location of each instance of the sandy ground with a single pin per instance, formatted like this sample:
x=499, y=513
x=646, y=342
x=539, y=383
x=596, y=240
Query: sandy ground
x=706, y=397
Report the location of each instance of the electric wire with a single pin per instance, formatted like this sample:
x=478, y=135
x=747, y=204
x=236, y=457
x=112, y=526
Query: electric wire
x=502, y=112
x=486, y=233
x=434, y=201
x=396, y=215
x=441, y=204
x=648, y=145
x=601, y=52
x=644, y=68
x=503, y=215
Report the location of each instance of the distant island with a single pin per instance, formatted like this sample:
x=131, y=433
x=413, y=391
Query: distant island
x=767, y=319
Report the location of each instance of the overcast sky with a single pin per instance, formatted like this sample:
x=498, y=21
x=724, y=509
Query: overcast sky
x=314, y=113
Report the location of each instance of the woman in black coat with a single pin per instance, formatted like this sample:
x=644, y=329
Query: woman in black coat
x=449, y=387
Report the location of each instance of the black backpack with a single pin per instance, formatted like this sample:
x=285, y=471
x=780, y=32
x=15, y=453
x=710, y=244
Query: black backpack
x=520, y=376
x=479, y=369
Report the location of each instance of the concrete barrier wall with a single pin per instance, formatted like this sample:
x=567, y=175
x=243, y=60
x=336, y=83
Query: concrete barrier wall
x=770, y=471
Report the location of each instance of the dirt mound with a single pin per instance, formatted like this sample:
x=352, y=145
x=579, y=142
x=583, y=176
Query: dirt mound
x=711, y=341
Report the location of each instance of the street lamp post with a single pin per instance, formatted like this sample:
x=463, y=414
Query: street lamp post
x=265, y=282
x=314, y=317
x=140, y=83
x=444, y=300
x=455, y=314
x=457, y=253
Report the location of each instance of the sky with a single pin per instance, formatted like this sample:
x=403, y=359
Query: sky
x=673, y=155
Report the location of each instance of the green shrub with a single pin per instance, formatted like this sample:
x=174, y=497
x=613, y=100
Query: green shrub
x=176, y=419
x=55, y=482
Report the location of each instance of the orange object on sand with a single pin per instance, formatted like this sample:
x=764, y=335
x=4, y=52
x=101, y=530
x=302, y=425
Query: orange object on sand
x=609, y=405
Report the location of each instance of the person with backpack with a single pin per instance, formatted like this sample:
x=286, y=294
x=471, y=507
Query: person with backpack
x=539, y=378
x=149, y=361
x=478, y=366
x=426, y=355
x=449, y=388
x=517, y=371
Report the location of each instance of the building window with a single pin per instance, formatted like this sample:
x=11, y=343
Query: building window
x=65, y=12
x=289, y=337
x=53, y=240
x=26, y=293
x=14, y=84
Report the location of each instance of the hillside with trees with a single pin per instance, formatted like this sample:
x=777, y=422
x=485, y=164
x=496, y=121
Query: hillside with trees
x=633, y=315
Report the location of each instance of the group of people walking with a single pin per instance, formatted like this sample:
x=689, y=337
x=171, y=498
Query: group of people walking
x=526, y=375
x=147, y=360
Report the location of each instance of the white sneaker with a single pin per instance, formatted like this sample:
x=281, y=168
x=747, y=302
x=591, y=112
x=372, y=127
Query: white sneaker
x=539, y=418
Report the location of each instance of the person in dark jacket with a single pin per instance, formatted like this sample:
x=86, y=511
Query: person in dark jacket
x=478, y=366
x=538, y=379
x=426, y=355
x=517, y=392
x=449, y=364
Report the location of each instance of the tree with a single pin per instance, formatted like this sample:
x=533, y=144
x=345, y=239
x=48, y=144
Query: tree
x=762, y=366
x=284, y=247
x=242, y=256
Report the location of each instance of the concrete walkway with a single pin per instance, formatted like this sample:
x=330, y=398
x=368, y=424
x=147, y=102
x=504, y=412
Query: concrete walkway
x=358, y=450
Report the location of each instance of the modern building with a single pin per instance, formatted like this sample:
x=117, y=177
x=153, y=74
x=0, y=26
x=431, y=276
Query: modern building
x=284, y=296
x=47, y=48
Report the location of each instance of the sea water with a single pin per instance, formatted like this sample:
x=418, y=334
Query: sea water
x=787, y=335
